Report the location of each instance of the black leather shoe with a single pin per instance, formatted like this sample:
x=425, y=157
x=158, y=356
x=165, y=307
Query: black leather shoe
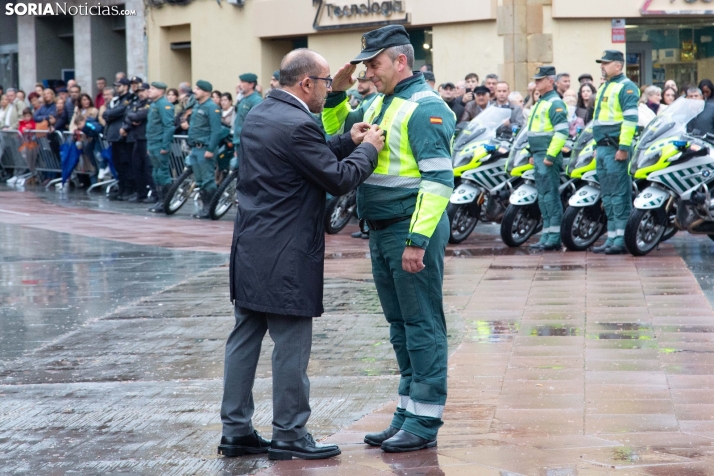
x=238, y=446
x=376, y=439
x=552, y=247
x=616, y=250
x=304, y=448
x=135, y=199
x=601, y=249
x=404, y=441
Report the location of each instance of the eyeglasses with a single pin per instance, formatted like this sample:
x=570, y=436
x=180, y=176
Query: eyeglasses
x=328, y=81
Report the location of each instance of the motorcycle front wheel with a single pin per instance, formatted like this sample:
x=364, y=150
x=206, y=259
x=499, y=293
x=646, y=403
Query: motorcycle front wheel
x=179, y=192
x=462, y=221
x=519, y=224
x=338, y=212
x=582, y=226
x=644, y=231
x=225, y=196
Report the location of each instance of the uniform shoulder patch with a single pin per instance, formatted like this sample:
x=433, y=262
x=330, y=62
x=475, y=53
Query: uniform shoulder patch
x=168, y=107
x=560, y=109
x=218, y=110
x=436, y=120
x=630, y=91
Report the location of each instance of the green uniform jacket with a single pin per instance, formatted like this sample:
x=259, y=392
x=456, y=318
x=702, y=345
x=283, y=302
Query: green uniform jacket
x=160, y=125
x=628, y=99
x=338, y=120
x=242, y=110
x=205, y=125
x=431, y=129
x=552, y=144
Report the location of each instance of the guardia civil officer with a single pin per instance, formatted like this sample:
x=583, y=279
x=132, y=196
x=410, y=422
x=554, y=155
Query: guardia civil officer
x=403, y=204
x=203, y=137
x=615, y=122
x=547, y=133
x=135, y=127
x=251, y=98
x=121, y=149
x=159, y=136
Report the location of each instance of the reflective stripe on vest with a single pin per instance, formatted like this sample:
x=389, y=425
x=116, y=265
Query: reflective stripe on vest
x=540, y=124
x=607, y=107
x=397, y=158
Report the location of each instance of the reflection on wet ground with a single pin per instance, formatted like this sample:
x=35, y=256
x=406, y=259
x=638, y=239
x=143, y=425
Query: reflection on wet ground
x=561, y=364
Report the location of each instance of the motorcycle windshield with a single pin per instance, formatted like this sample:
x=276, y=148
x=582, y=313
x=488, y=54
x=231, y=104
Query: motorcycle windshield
x=672, y=123
x=516, y=158
x=482, y=127
x=584, y=139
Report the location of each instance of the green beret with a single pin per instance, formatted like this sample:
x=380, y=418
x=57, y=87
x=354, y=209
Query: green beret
x=159, y=85
x=204, y=85
x=276, y=75
x=248, y=78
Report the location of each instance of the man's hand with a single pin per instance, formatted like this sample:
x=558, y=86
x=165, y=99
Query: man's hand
x=358, y=132
x=468, y=97
x=547, y=162
x=621, y=155
x=375, y=136
x=343, y=79
x=122, y=132
x=413, y=259
x=207, y=155
x=531, y=161
x=184, y=125
x=163, y=152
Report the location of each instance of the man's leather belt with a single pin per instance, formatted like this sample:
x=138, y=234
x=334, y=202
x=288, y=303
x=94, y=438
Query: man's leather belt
x=608, y=141
x=376, y=225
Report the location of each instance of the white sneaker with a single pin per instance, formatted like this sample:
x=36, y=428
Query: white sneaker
x=103, y=173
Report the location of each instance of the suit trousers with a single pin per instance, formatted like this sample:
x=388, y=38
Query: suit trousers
x=292, y=336
x=121, y=155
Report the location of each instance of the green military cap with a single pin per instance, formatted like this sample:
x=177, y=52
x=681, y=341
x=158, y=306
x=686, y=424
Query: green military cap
x=608, y=56
x=159, y=85
x=204, y=85
x=362, y=76
x=248, y=77
x=544, y=71
x=276, y=75
x=376, y=41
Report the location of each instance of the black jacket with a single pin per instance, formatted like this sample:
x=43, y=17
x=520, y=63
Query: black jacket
x=277, y=255
x=138, y=112
x=114, y=116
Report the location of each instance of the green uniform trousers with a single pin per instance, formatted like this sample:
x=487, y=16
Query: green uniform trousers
x=160, y=167
x=547, y=179
x=204, y=170
x=616, y=189
x=413, y=306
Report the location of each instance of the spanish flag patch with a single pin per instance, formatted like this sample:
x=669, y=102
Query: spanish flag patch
x=560, y=109
x=168, y=107
x=436, y=120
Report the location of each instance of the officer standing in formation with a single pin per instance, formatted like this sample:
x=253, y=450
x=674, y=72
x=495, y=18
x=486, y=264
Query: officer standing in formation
x=135, y=128
x=159, y=137
x=547, y=133
x=204, y=134
x=251, y=98
x=121, y=148
x=615, y=122
x=403, y=203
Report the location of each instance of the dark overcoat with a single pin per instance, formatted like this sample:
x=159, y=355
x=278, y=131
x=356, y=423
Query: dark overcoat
x=277, y=255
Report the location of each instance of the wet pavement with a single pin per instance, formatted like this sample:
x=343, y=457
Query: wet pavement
x=113, y=323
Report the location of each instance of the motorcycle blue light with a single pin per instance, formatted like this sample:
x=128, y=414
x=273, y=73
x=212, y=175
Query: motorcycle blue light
x=679, y=143
x=489, y=148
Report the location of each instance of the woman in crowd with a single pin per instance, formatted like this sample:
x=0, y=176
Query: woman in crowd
x=48, y=108
x=35, y=101
x=670, y=83
x=84, y=109
x=570, y=98
x=216, y=97
x=227, y=110
x=669, y=95
x=649, y=105
x=586, y=102
x=58, y=121
x=707, y=88
x=8, y=114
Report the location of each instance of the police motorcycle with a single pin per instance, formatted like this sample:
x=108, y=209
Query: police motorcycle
x=678, y=169
x=522, y=218
x=184, y=187
x=482, y=184
x=339, y=211
x=584, y=219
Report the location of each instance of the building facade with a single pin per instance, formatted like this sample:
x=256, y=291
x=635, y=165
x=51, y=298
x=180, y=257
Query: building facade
x=83, y=47
x=217, y=41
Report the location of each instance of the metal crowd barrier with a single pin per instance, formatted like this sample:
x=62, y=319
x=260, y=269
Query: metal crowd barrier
x=13, y=154
x=178, y=153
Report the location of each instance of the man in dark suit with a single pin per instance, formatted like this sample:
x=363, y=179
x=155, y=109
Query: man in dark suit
x=277, y=256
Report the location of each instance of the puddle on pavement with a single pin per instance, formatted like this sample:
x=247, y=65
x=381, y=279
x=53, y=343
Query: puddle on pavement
x=564, y=267
x=554, y=331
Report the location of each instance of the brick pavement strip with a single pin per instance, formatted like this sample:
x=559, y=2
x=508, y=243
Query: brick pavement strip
x=568, y=364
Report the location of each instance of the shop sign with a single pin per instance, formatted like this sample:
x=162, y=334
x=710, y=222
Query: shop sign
x=677, y=7
x=334, y=15
x=618, y=31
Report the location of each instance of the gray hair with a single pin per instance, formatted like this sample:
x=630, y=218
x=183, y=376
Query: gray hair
x=515, y=96
x=406, y=50
x=561, y=76
x=649, y=92
x=297, y=64
x=184, y=87
x=490, y=76
x=109, y=89
x=695, y=90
